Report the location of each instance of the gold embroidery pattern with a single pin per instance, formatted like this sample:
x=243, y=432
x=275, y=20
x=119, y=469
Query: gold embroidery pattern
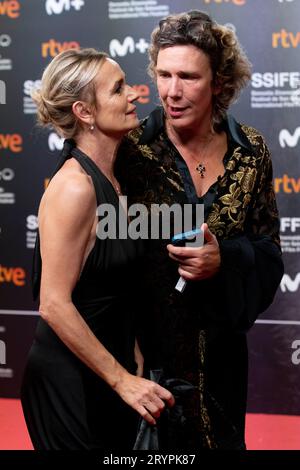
x=245, y=200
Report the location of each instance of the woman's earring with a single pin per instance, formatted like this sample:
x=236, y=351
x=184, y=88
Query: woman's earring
x=92, y=127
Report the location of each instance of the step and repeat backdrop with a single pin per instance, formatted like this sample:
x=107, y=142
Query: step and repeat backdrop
x=32, y=32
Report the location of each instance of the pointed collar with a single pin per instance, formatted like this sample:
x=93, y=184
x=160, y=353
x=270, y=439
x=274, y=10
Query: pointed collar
x=154, y=124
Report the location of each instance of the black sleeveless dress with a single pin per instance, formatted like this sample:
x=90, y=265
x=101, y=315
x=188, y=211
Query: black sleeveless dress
x=66, y=405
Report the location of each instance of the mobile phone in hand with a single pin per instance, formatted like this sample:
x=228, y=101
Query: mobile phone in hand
x=180, y=239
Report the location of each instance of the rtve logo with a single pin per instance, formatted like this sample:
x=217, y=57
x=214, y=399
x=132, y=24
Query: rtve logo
x=129, y=46
x=289, y=284
x=285, y=39
x=52, y=47
x=288, y=139
x=16, y=276
x=11, y=8
x=12, y=142
x=144, y=92
x=296, y=354
x=239, y=3
x=287, y=184
x=59, y=6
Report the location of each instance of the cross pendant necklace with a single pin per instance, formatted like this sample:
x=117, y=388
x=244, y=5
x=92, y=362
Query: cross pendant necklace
x=201, y=170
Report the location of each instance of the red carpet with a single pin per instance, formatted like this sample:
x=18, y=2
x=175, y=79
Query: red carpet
x=264, y=432
x=272, y=432
x=13, y=432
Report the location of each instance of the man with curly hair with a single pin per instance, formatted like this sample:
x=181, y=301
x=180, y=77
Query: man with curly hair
x=189, y=150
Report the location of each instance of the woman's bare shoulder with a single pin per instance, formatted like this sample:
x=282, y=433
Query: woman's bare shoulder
x=71, y=189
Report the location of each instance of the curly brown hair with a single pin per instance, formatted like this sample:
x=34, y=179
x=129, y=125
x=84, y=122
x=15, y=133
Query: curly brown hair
x=230, y=67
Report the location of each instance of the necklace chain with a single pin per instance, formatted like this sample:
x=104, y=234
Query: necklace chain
x=201, y=168
x=118, y=189
x=116, y=186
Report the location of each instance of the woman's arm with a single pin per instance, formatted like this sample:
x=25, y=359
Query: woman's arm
x=66, y=217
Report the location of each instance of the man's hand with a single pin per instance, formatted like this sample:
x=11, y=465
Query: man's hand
x=200, y=262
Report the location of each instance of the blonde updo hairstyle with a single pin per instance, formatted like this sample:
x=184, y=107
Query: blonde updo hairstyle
x=230, y=66
x=68, y=78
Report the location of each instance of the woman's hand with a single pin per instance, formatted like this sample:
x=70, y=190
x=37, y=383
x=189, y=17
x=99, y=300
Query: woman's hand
x=146, y=397
x=199, y=262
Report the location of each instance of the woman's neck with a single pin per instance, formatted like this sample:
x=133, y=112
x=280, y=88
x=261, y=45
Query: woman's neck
x=101, y=149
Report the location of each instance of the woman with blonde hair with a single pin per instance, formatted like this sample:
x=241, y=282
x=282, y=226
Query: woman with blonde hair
x=81, y=389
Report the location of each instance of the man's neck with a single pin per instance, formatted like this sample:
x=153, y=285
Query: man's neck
x=191, y=139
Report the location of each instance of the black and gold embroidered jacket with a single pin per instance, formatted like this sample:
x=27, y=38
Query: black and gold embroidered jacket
x=199, y=335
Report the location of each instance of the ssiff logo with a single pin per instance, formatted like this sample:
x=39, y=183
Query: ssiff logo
x=31, y=225
x=289, y=139
x=289, y=223
x=59, y=6
x=129, y=46
x=11, y=8
x=29, y=106
x=275, y=79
